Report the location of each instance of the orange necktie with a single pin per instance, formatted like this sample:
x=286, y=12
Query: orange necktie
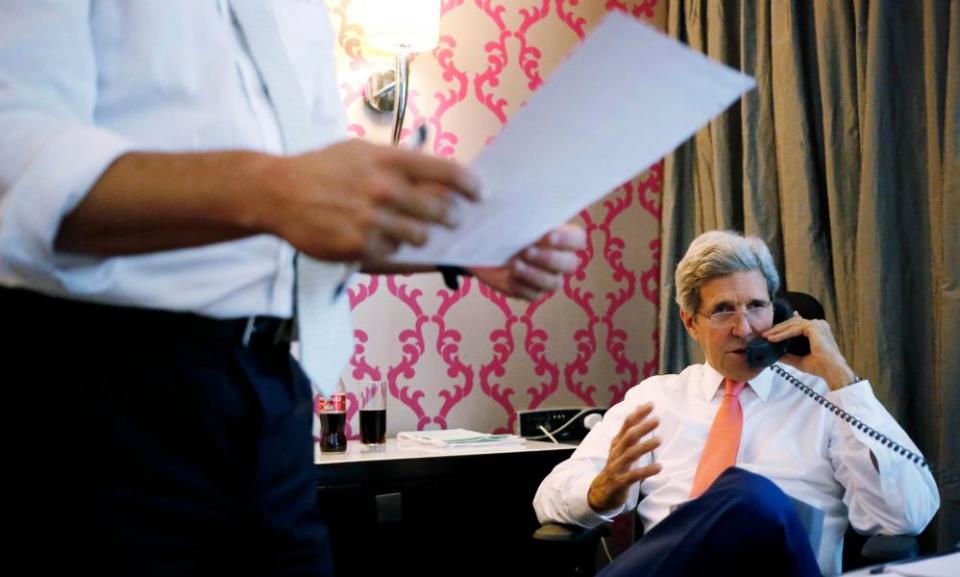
x=723, y=442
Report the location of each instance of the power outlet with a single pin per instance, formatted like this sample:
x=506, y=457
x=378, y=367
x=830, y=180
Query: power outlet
x=565, y=424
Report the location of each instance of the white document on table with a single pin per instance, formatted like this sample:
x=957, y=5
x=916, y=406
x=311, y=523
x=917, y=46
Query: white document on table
x=625, y=97
x=459, y=438
x=947, y=565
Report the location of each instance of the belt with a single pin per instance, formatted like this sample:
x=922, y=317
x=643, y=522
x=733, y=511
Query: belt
x=31, y=308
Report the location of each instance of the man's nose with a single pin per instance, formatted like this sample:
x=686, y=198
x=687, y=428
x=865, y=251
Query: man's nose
x=742, y=327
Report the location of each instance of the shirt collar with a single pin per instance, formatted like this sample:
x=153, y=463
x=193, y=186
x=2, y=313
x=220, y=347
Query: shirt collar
x=711, y=381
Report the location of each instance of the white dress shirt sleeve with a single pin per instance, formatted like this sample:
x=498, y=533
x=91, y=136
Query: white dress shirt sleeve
x=899, y=499
x=562, y=496
x=51, y=153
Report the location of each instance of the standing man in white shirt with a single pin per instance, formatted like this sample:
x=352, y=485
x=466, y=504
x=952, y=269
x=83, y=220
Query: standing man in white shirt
x=658, y=442
x=153, y=195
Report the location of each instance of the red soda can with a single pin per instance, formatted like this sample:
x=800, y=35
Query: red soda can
x=333, y=421
x=339, y=402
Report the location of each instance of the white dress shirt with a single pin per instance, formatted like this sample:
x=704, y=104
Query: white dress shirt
x=787, y=437
x=83, y=82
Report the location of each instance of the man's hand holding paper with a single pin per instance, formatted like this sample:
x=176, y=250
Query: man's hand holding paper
x=538, y=269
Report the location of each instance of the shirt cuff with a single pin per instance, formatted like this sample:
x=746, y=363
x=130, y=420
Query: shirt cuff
x=581, y=510
x=53, y=184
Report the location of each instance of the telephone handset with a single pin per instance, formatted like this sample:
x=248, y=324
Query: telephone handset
x=763, y=353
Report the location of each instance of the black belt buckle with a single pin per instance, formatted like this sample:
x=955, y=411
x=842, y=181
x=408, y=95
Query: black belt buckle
x=270, y=330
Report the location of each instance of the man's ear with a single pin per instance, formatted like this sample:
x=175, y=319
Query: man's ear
x=689, y=323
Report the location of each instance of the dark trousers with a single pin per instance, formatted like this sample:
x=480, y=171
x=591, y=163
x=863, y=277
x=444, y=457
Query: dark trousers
x=742, y=525
x=152, y=443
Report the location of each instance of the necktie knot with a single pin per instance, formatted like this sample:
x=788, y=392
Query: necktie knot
x=733, y=388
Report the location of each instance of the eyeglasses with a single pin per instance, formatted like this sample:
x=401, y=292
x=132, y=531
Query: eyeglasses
x=725, y=316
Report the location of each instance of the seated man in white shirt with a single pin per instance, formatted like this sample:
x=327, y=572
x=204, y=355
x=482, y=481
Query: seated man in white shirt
x=666, y=440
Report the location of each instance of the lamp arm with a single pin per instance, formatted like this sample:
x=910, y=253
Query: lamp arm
x=401, y=83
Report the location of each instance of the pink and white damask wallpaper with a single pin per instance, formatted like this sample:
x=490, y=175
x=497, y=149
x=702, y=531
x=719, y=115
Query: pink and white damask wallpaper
x=472, y=358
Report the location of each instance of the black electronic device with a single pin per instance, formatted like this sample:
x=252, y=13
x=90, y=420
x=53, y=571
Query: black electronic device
x=763, y=353
x=563, y=425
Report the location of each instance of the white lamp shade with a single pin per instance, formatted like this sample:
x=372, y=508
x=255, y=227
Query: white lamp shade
x=402, y=25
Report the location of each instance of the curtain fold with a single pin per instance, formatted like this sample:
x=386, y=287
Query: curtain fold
x=846, y=161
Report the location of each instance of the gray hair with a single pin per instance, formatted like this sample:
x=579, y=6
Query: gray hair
x=719, y=253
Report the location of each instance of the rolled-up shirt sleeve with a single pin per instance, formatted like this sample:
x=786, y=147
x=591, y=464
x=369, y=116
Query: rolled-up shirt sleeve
x=51, y=151
x=562, y=496
x=897, y=496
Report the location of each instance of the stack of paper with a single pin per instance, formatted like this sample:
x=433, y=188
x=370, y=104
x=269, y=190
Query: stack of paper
x=453, y=438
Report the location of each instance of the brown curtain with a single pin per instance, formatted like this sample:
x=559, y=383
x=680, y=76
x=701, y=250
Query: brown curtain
x=846, y=161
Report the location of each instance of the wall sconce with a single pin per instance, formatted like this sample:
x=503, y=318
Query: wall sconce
x=401, y=27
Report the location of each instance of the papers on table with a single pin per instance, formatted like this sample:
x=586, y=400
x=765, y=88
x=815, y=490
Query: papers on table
x=626, y=97
x=940, y=566
x=459, y=438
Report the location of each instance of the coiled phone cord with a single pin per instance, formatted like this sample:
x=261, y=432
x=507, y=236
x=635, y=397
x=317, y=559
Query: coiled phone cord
x=855, y=422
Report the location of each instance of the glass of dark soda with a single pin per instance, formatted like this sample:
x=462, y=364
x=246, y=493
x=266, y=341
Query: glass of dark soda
x=373, y=415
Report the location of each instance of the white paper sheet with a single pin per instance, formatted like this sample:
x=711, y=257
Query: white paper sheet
x=943, y=566
x=459, y=438
x=946, y=566
x=622, y=100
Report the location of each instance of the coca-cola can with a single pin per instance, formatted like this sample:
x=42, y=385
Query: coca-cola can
x=339, y=401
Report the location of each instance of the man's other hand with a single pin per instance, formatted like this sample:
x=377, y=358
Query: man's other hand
x=610, y=488
x=539, y=269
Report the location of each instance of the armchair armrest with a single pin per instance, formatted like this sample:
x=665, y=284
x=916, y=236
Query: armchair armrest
x=568, y=550
x=884, y=548
x=560, y=532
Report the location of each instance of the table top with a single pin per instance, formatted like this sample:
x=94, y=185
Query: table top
x=397, y=450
